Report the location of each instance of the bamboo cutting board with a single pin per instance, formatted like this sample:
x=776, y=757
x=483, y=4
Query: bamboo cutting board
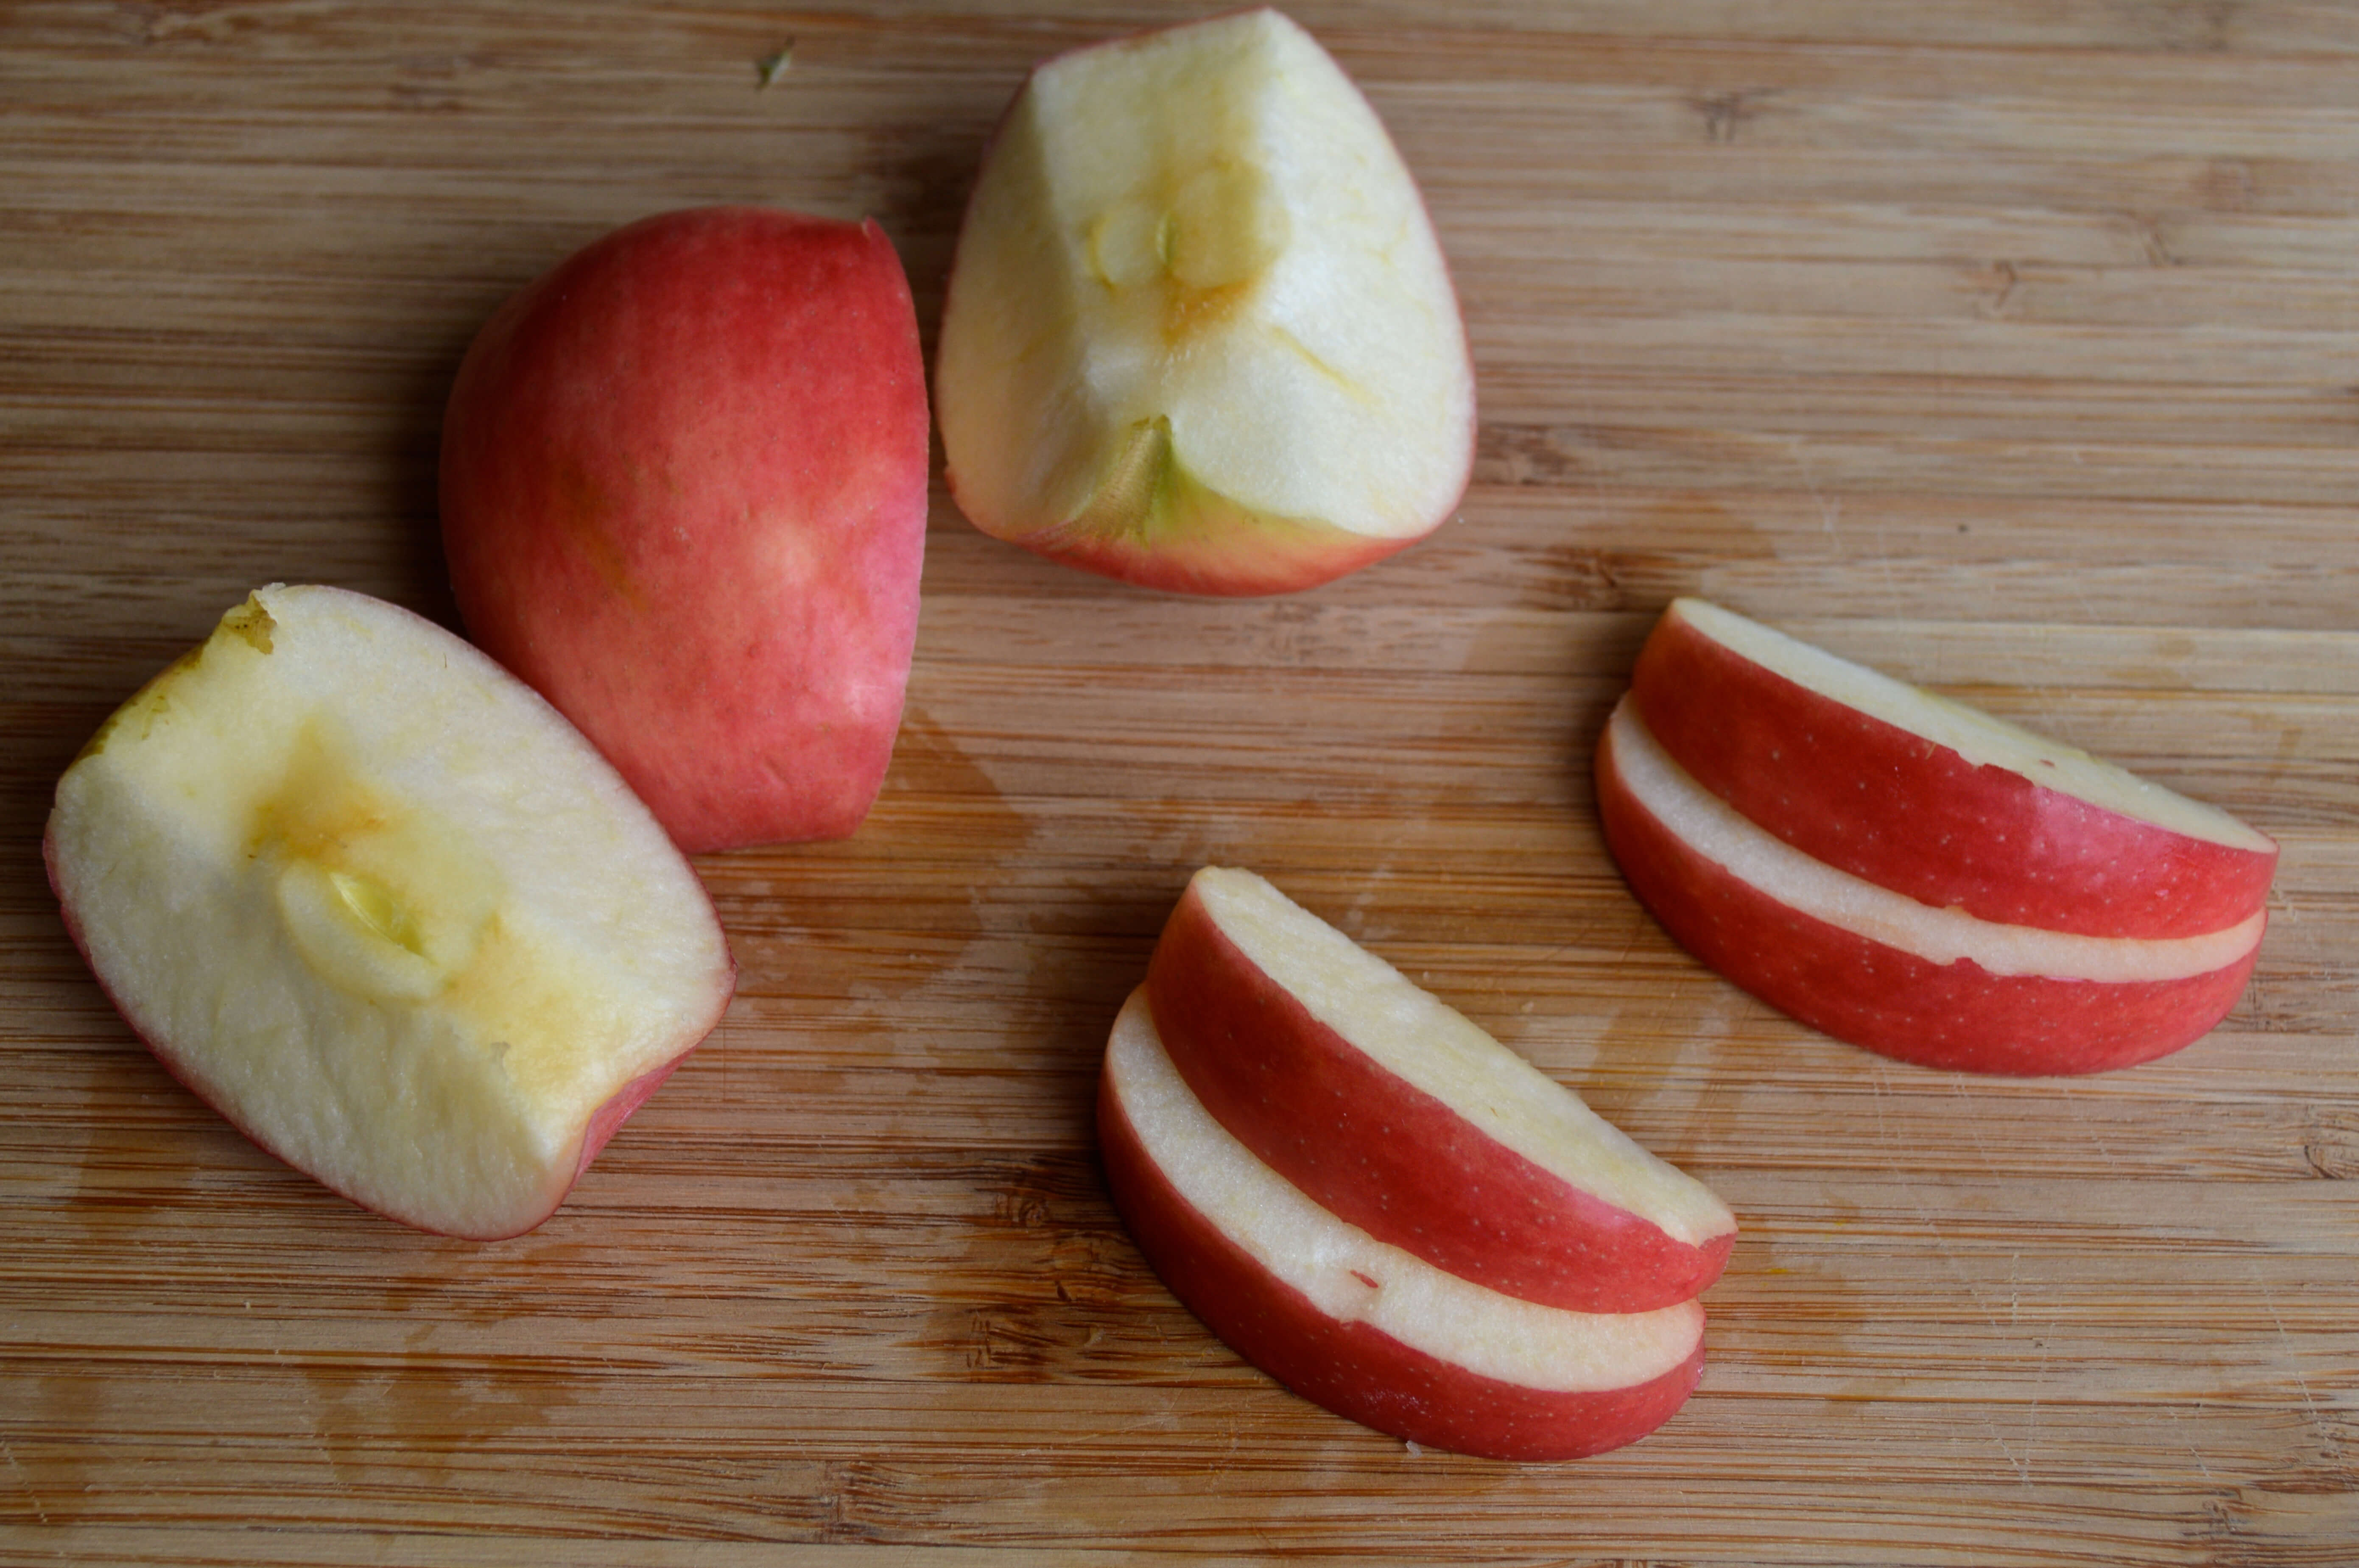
x=2012, y=347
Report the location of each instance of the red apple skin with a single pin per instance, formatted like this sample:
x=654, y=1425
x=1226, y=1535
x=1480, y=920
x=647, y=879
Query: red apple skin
x=1254, y=558
x=604, y=1123
x=1956, y=1016
x=684, y=495
x=1895, y=809
x=1349, y=1367
x=608, y=1118
x=1388, y=1157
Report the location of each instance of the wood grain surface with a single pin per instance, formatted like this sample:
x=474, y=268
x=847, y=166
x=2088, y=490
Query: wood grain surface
x=2013, y=346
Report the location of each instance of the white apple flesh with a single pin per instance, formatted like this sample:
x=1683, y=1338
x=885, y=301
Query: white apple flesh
x=1935, y=986
x=1358, y=1326
x=1935, y=799
x=376, y=901
x=1199, y=331
x=1407, y=1119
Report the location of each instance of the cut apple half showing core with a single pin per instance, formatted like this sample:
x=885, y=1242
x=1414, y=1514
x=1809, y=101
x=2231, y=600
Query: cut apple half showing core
x=1407, y=1119
x=1933, y=798
x=1880, y=970
x=377, y=902
x=1362, y=1328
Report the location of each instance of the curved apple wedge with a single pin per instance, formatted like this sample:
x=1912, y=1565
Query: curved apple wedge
x=1404, y=1118
x=378, y=903
x=1198, y=333
x=1357, y=1326
x=1934, y=799
x=1933, y=986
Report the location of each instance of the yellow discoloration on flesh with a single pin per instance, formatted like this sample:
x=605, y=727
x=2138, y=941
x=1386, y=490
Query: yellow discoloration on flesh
x=1192, y=247
x=249, y=625
x=382, y=900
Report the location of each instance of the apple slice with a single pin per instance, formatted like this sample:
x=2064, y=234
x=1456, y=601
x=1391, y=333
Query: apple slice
x=1362, y=1328
x=684, y=496
x=1404, y=1118
x=1934, y=986
x=383, y=907
x=1933, y=799
x=1199, y=332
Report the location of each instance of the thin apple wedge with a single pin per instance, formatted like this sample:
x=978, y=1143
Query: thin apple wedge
x=1360, y=1327
x=1934, y=799
x=1406, y=1119
x=1199, y=331
x=383, y=908
x=1934, y=986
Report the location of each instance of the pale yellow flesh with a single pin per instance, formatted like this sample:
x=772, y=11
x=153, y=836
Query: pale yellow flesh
x=1441, y=1053
x=1982, y=739
x=1205, y=227
x=1713, y=829
x=1349, y=1275
x=383, y=907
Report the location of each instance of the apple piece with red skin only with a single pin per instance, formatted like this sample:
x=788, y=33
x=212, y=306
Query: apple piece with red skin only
x=373, y=899
x=1936, y=987
x=683, y=486
x=1406, y=1119
x=1359, y=1327
x=1198, y=333
x=1931, y=798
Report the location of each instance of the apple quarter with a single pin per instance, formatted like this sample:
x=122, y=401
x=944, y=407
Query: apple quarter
x=1929, y=985
x=1932, y=798
x=1408, y=1119
x=1358, y=1326
x=1198, y=333
x=378, y=903
x=683, y=491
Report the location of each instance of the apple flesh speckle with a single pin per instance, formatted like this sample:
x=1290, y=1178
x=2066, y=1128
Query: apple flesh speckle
x=1361, y=1327
x=1199, y=332
x=373, y=899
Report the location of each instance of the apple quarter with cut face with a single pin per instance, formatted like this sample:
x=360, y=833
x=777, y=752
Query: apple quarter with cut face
x=1358, y=1326
x=377, y=902
x=1935, y=986
x=1199, y=332
x=1932, y=798
x=1408, y=1119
